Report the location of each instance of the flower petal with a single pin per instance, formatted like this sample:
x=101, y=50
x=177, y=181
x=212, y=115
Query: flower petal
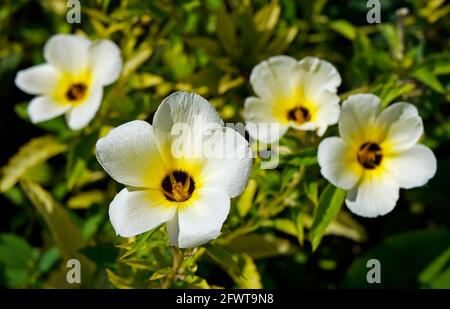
x=134, y=212
x=327, y=112
x=228, y=161
x=43, y=108
x=105, y=61
x=67, y=52
x=375, y=195
x=403, y=125
x=201, y=221
x=338, y=163
x=185, y=107
x=261, y=122
x=358, y=116
x=413, y=167
x=318, y=75
x=130, y=155
x=275, y=77
x=40, y=79
x=80, y=115
x=182, y=121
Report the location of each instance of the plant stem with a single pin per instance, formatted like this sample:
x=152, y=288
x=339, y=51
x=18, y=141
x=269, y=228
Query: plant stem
x=178, y=258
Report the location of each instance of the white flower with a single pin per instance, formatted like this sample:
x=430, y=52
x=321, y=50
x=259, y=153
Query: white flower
x=191, y=194
x=298, y=94
x=72, y=80
x=376, y=155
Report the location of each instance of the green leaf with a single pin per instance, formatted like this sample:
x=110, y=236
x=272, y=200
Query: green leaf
x=312, y=191
x=15, y=252
x=304, y=157
x=144, y=80
x=48, y=260
x=300, y=229
x=265, y=21
x=435, y=275
x=402, y=258
x=224, y=258
x=428, y=78
x=227, y=82
x=226, y=32
x=250, y=277
x=161, y=273
x=245, y=201
x=85, y=200
x=261, y=246
x=282, y=41
x=66, y=234
x=17, y=259
x=148, y=240
x=118, y=281
x=344, y=28
x=330, y=203
x=136, y=60
x=282, y=225
x=36, y=151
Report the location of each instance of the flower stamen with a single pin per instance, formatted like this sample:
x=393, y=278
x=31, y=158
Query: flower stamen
x=299, y=115
x=76, y=92
x=178, y=186
x=370, y=155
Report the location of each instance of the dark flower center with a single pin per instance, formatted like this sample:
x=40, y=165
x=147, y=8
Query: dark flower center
x=76, y=92
x=178, y=186
x=299, y=115
x=370, y=155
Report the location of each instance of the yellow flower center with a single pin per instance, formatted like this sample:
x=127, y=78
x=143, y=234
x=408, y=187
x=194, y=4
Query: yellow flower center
x=76, y=92
x=299, y=115
x=178, y=186
x=370, y=155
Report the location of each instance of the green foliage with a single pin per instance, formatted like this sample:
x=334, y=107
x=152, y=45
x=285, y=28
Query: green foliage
x=288, y=228
x=330, y=203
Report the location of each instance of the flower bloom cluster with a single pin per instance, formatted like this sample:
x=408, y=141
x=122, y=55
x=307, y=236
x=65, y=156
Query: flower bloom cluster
x=166, y=178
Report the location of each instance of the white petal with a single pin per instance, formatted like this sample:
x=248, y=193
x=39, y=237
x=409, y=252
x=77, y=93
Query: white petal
x=375, y=195
x=338, y=163
x=43, y=108
x=105, y=62
x=80, y=115
x=413, y=167
x=397, y=111
x=318, y=75
x=403, y=124
x=202, y=221
x=40, y=79
x=261, y=124
x=67, y=52
x=173, y=230
x=129, y=154
x=185, y=107
x=327, y=112
x=275, y=77
x=185, y=118
x=133, y=212
x=229, y=161
x=358, y=114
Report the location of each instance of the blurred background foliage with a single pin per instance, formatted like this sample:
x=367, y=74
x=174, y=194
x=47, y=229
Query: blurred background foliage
x=289, y=228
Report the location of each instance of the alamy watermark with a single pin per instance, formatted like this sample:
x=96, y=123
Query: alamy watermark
x=374, y=14
x=214, y=141
x=73, y=15
x=374, y=273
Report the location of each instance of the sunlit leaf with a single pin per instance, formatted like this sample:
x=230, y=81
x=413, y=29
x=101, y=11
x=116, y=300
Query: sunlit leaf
x=245, y=201
x=330, y=203
x=34, y=152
